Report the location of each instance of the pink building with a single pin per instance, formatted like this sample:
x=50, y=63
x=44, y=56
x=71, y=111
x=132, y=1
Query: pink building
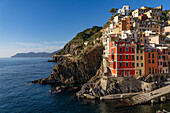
x=163, y=61
x=167, y=29
x=154, y=39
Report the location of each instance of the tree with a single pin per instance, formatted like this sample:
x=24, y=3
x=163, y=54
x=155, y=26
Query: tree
x=113, y=10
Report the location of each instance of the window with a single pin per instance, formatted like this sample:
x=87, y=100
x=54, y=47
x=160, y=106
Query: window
x=137, y=65
x=132, y=56
x=120, y=56
x=112, y=51
x=133, y=64
x=126, y=56
x=152, y=61
x=148, y=55
x=152, y=55
x=132, y=49
x=149, y=70
x=120, y=64
x=126, y=64
x=161, y=63
x=152, y=69
x=141, y=57
x=141, y=51
x=120, y=49
x=137, y=57
x=127, y=50
x=137, y=51
x=164, y=64
x=141, y=64
x=149, y=61
x=158, y=63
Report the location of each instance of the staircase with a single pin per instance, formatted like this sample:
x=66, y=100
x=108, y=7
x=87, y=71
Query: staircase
x=145, y=97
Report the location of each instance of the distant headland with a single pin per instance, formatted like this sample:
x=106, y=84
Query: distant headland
x=33, y=54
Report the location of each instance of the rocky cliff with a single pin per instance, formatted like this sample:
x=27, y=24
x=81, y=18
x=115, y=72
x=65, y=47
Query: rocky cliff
x=99, y=86
x=77, y=62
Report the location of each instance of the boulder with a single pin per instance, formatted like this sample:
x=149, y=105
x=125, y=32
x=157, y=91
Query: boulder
x=88, y=96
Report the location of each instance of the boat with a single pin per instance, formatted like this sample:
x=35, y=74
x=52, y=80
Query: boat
x=54, y=91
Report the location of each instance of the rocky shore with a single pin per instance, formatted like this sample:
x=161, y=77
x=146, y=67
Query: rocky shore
x=78, y=70
x=100, y=86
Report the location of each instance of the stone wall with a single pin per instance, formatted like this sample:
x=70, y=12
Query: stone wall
x=147, y=87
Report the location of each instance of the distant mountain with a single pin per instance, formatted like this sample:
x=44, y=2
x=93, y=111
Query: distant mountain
x=33, y=54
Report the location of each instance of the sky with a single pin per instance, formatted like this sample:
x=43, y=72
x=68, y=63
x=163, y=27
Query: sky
x=47, y=25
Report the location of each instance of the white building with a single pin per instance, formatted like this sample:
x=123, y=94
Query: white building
x=125, y=10
x=117, y=18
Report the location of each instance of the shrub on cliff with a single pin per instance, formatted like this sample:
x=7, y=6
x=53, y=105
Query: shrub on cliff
x=78, y=41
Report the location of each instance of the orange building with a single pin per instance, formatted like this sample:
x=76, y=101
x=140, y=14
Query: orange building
x=151, y=61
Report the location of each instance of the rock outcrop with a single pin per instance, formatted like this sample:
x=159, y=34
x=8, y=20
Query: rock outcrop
x=100, y=86
x=77, y=62
x=77, y=70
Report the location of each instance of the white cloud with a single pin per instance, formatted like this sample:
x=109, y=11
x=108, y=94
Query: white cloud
x=60, y=42
x=28, y=44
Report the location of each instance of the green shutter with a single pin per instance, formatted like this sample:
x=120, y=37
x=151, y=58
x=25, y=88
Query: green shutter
x=126, y=56
x=132, y=56
x=132, y=64
x=126, y=64
x=126, y=49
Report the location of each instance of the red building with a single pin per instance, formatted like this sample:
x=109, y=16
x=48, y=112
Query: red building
x=121, y=58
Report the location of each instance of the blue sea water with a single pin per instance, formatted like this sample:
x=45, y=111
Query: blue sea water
x=17, y=95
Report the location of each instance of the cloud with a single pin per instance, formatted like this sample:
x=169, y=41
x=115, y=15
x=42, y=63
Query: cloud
x=28, y=44
x=60, y=42
x=40, y=44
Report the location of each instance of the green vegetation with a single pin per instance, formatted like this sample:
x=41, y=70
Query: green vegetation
x=164, y=18
x=97, y=35
x=107, y=24
x=113, y=10
x=83, y=36
x=77, y=43
x=164, y=13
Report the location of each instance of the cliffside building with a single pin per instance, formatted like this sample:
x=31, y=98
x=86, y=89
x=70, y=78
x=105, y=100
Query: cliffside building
x=136, y=45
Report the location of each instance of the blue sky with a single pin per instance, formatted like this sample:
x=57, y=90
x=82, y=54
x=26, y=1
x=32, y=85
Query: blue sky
x=47, y=25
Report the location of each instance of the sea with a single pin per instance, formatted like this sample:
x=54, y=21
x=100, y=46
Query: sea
x=18, y=95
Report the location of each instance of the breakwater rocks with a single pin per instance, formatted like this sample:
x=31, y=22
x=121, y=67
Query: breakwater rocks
x=78, y=69
x=100, y=86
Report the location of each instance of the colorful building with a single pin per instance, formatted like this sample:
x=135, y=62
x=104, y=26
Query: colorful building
x=121, y=58
x=136, y=45
x=140, y=64
x=151, y=61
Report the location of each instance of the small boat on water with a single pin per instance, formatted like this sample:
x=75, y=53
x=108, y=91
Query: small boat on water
x=54, y=91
